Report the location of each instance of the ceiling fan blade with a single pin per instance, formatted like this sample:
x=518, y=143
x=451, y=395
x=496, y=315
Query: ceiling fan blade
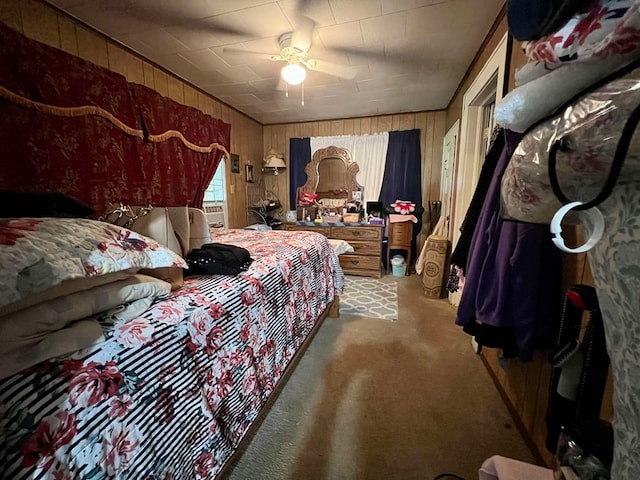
x=396, y=58
x=342, y=71
x=167, y=17
x=302, y=6
x=253, y=54
x=301, y=37
x=210, y=25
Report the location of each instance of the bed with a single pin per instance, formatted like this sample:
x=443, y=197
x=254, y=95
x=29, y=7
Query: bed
x=171, y=392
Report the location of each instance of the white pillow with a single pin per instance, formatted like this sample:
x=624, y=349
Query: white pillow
x=50, y=329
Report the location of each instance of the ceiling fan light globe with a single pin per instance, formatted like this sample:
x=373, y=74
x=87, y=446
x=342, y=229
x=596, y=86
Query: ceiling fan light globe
x=293, y=74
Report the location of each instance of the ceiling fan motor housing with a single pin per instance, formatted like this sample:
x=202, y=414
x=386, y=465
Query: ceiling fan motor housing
x=289, y=52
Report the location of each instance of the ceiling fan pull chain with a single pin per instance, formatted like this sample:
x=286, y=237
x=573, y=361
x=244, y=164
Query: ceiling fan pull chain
x=302, y=87
x=286, y=89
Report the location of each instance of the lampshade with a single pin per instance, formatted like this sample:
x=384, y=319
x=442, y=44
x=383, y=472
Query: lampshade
x=274, y=159
x=293, y=74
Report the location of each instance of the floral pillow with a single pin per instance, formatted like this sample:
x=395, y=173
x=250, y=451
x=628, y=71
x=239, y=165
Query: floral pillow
x=39, y=253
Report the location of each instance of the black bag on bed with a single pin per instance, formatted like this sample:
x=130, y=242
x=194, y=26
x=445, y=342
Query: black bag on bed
x=217, y=259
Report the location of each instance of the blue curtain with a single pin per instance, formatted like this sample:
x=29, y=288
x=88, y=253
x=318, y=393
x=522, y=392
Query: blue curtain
x=403, y=175
x=299, y=156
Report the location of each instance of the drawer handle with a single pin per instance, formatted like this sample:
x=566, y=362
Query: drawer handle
x=357, y=234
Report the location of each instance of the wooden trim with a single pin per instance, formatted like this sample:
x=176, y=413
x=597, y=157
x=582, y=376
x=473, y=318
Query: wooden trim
x=232, y=461
x=526, y=435
x=377, y=115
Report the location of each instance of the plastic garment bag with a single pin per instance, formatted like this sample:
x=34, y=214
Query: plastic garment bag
x=583, y=138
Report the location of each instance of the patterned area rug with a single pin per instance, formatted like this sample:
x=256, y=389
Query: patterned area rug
x=369, y=297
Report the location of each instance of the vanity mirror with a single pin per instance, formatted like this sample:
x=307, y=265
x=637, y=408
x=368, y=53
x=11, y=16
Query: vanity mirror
x=331, y=176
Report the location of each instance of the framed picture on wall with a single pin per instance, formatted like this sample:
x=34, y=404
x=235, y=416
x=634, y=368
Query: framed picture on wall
x=248, y=170
x=235, y=163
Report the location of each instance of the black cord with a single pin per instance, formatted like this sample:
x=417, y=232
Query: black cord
x=444, y=475
x=618, y=160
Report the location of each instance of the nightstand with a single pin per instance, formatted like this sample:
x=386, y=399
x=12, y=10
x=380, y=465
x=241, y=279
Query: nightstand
x=400, y=236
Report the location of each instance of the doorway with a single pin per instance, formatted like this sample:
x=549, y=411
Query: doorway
x=475, y=134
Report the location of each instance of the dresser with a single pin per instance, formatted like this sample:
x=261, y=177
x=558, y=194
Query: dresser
x=366, y=240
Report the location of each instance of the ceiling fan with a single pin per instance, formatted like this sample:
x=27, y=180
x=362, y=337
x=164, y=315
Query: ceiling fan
x=294, y=50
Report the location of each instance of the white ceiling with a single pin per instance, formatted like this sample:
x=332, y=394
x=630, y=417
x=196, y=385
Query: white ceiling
x=410, y=55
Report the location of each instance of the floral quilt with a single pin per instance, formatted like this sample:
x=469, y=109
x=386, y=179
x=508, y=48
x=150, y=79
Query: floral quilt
x=170, y=394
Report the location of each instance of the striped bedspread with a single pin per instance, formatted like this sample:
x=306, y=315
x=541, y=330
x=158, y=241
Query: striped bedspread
x=169, y=395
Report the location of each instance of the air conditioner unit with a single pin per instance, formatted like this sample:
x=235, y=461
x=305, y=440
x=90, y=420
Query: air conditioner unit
x=214, y=215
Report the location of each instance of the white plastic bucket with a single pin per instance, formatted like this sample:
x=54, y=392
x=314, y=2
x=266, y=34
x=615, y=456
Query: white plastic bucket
x=399, y=270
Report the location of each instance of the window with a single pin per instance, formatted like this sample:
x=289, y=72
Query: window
x=215, y=198
x=216, y=192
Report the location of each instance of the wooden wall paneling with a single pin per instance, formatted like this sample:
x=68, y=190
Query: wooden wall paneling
x=385, y=124
x=161, y=83
x=395, y=123
x=10, y=14
x=41, y=23
x=306, y=130
x=147, y=71
x=531, y=394
x=68, y=37
x=427, y=164
x=176, y=91
x=348, y=126
x=357, y=126
x=439, y=131
x=324, y=129
x=365, y=125
x=517, y=373
x=92, y=47
x=127, y=64
x=421, y=123
x=191, y=96
x=217, y=109
x=404, y=122
x=225, y=113
x=202, y=105
x=337, y=127
x=117, y=59
x=539, y=429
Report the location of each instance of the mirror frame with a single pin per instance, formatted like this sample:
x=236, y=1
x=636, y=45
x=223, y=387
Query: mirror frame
x=313, y=176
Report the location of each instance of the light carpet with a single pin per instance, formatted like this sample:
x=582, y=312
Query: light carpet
x=369, y=297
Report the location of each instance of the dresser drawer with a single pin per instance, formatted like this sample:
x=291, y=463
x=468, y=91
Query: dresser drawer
x=366, y=248
x=357, y=233
x=326, y=231
x=401, y=232
x=359, y=262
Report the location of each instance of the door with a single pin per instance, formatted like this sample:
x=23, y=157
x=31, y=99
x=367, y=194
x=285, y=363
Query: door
x=449, y=158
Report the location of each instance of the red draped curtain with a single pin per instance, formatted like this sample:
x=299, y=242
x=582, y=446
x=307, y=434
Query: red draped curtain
x=123, y=154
